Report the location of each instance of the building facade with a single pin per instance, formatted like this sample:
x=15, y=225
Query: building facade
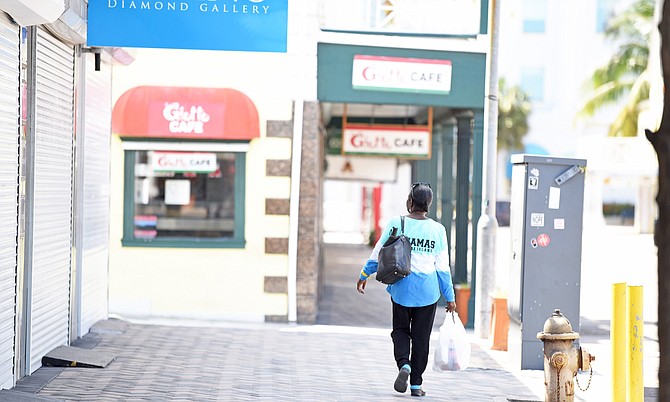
x=172, y=183
x=54, y=181
x=241, y=238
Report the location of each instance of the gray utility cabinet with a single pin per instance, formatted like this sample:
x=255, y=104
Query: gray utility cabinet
x=546, y=249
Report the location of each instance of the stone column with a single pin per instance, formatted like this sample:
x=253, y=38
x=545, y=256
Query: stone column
x=310, y=264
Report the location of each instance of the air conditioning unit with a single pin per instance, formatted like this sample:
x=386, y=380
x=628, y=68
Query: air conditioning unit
x=33, y=12
x=70, y=26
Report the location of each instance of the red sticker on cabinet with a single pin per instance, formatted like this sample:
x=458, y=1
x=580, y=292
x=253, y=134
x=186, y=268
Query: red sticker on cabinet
x=543, y=240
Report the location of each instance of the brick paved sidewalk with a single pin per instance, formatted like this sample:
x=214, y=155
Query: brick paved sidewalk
x=347, y=357
x=258, y=362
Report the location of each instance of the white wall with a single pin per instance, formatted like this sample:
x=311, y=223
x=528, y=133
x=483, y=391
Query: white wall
x=217, y=283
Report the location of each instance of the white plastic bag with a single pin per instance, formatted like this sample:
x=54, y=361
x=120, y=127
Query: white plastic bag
x=453, y=349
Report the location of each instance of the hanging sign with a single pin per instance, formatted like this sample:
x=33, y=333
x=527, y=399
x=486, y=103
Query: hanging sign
x=243, y=25
x=380, y=73
x=374, y=169
x=403, y=141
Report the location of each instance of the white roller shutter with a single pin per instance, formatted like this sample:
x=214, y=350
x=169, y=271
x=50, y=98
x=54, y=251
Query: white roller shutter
x=93, y=153
x=9, y=173
x=52, y=218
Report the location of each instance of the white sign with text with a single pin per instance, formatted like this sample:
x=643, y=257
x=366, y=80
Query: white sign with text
x=408, y=142
x=183, y=162
x=380, y=73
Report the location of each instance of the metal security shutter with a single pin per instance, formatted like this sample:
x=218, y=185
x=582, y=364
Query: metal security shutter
x=9, y=179
x=93, y=153
x=52, y=216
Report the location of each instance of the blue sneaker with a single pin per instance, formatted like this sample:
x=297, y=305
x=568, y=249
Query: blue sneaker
x=418, y=392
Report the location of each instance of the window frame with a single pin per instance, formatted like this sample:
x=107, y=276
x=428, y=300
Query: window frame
x=534, y=20
x=529, y=76
x=373, y=12
x=604, y=12
x=237, y=148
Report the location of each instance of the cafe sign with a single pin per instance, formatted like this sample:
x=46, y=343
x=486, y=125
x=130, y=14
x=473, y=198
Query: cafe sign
x=381, y=73
x=404, y=141
x=241, y=25
x=197, y=162
x=178, y=118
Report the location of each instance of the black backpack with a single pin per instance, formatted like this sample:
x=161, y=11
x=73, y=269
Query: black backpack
x=395, y=257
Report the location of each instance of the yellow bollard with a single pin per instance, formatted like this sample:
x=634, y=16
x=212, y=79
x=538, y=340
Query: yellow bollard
x=635, y=341
x=618, y=340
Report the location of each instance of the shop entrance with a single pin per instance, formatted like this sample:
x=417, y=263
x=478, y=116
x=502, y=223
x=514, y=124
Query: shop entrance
x=372, y=89
x=361, y=192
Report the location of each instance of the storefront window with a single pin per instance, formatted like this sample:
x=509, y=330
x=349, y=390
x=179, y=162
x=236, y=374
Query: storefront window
x=177, y=198
x=534, y=15
x=414, y=17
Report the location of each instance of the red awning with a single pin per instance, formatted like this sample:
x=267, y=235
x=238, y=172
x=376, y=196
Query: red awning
x=189, y=113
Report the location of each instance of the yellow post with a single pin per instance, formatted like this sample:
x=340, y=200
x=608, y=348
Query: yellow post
x=635, y=343
x=618, y=340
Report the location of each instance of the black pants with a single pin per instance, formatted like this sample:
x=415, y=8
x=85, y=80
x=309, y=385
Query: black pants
x=411, y=330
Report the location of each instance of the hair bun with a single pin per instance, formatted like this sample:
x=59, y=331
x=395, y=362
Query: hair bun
x=422, y=197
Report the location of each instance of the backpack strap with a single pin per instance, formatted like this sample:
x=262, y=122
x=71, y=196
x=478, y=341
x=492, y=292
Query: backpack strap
x=402, y=225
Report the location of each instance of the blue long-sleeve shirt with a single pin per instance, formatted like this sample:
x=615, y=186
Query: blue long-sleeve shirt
x=430, y=275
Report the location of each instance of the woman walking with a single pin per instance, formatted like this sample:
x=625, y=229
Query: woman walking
x=415, y=297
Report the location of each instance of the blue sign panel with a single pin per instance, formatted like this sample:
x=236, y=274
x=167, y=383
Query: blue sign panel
x=244, y=25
